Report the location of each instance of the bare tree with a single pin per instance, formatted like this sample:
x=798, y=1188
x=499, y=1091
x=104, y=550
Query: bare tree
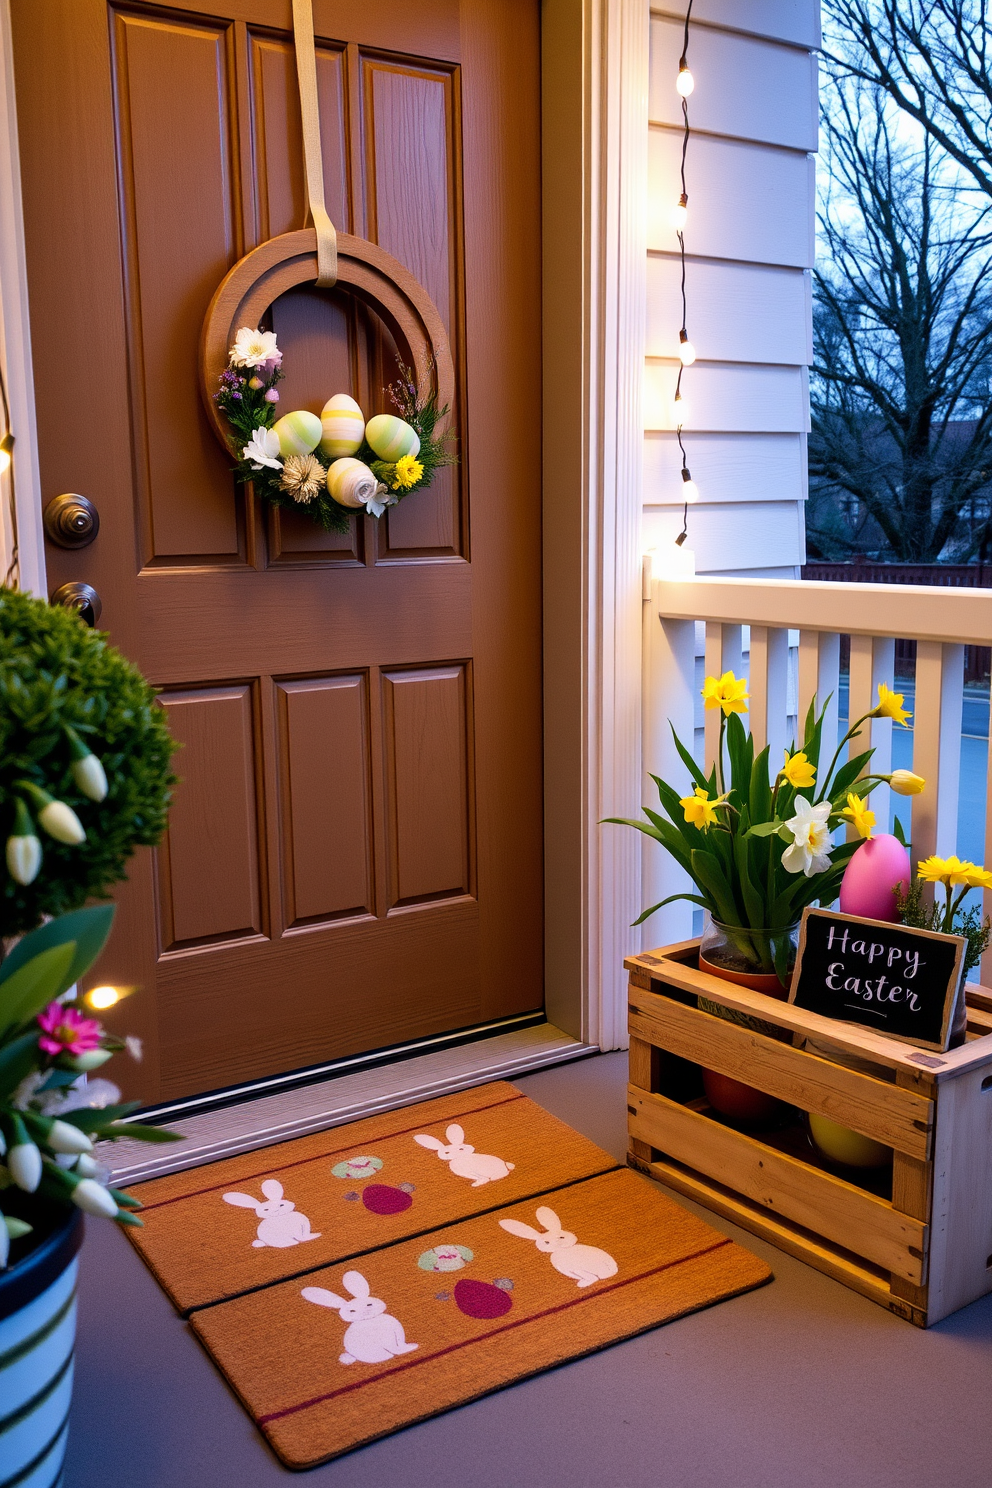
x=901, y=400
x=932, y=59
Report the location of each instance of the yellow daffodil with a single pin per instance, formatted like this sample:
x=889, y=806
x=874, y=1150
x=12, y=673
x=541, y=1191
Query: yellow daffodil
x=890, y=705
x=798, y=771
x=905, y=783
x=700, y=809
x=408, y=473
x=727, y=692
x=857, y=812
x=945, y=870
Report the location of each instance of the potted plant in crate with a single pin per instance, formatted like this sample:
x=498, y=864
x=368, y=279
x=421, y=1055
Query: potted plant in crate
x=757, y=843
x=84, y=778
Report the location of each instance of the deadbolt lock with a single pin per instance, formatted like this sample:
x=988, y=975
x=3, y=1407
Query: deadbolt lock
x=82, y=598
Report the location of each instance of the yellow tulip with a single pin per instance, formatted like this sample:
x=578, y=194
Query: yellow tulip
x=905, y=783
x=727, y=692
x=890, y=705
x=798, y=771
x=857, y=811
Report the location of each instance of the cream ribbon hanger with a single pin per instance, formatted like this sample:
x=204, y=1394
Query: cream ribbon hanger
x=306, y=71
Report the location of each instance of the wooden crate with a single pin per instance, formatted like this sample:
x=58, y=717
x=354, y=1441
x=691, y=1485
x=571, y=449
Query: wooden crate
x=922, y=1248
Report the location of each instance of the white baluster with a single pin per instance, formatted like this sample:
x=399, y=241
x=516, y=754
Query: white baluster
x=669, y=687
x=937, y=746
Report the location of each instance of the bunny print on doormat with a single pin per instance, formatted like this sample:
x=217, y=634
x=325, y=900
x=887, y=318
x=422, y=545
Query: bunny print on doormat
x=280, y=1224
x=373, y=1337
x=465, y=1161
x=584, y=1264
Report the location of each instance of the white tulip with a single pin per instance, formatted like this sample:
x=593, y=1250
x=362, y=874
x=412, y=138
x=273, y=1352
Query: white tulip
x=64, y=1137
x=24, y=1162
x=23, y=858
x=4, y=1247
x=86, y=1166
x=3, y=1145
x=90, y=776
x=93, y=1198
x=62, y=823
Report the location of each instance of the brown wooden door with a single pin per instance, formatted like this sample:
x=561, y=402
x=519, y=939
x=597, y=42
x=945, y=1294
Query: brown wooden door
x=354, y=854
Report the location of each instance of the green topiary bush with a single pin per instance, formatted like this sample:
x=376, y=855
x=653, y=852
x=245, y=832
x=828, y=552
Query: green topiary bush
x=58, y=677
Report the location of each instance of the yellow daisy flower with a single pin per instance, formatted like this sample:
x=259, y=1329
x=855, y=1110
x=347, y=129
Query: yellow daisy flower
x=700, y=810
x=798, y=771
x=727, y=692
x=857, y=811
x=890, y=705
x=945, y=870
x=978, y=878
x=408, y=473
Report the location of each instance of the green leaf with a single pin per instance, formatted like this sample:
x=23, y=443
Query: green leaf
x=34, y=985
x=17, y=1059
x=740, y=750
x=139, y=1132
x=95, y=1118
x=122, y=1217
x=695, y=899
x=690, y=764
x=898, y=832
x=760, y=795
x=754, y=905
x=848, y=774
x=766, y=829
x=86, y=928
x=711, y=878
x=628, y=821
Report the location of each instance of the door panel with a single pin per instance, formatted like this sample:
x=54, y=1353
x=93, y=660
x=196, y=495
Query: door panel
x=354, y=853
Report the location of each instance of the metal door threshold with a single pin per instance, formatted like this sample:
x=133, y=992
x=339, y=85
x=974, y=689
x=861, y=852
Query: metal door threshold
x=293, y=1113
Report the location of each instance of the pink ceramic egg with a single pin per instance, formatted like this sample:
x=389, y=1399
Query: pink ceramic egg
x=871, y=875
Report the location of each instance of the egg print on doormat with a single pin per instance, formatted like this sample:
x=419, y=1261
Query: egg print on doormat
x=357, y=1167
x=445, y=1258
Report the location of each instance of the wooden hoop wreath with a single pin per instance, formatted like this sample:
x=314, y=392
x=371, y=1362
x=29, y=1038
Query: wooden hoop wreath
x=367, y=271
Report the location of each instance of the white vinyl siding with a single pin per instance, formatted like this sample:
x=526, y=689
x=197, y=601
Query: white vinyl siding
x=749, y=241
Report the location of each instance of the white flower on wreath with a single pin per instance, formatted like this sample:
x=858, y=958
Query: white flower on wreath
x=381, y=498
x=253, y=348
x=263, y=449
x=809, y=850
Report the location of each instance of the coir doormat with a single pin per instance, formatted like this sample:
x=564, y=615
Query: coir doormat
x=354, y=1282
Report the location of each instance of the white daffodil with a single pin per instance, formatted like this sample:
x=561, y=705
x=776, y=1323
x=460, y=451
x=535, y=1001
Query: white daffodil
x=379, y=500
x=253, y=348
x=809, y=851
x=263, y=449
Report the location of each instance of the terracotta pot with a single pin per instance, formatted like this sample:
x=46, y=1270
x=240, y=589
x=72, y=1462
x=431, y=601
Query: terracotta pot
x=730, y=1097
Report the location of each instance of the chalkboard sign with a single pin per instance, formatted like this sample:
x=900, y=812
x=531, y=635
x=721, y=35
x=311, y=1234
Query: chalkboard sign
x=899, y=981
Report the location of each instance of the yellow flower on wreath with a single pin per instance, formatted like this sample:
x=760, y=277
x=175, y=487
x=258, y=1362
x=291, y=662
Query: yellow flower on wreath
x=408, y=473
x=857, y=811
x=947, y=871
x=700, y=808
x=798, y=771
x=890, y=705
x=727, y=692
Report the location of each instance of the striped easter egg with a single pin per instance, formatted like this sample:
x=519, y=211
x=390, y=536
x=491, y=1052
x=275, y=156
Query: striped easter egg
x=299, y=433
x=391, y=437
x=343, y=424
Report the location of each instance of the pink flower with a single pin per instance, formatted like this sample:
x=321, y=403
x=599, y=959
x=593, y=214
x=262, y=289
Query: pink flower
x=64, y=1031
x=272, y=396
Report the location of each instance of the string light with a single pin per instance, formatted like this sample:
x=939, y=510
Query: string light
x=6, y=452
x=684, y=85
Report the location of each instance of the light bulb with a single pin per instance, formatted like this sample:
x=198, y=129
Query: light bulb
x=680, y=410
x=690, y=491
x=687, y=352
x=685, y=82
x=6, y=452
x=103, y=997
x=680, y=213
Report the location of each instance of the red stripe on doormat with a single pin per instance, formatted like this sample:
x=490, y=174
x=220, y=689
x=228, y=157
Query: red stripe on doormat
x=196, y=1193
x=291, y=1410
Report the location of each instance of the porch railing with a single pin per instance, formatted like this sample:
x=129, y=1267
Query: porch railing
x=785, y=635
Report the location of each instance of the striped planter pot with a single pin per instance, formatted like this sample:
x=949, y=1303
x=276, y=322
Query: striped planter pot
x=37, y=1332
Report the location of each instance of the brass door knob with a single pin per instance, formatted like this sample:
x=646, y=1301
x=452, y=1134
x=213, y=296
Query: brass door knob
x=71, y=521
x=82, y=598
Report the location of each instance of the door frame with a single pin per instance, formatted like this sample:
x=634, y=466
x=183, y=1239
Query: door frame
x=594, y=191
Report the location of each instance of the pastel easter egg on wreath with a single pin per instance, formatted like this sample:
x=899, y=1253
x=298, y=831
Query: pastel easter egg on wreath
x=350, y=483
x=482, y=1299
x=382, y=1198
x=391, y=437
x=298, y=433
x=879, y=865
x=343, y=427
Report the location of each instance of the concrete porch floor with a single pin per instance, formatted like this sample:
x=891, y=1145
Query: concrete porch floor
x=801, y=1384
